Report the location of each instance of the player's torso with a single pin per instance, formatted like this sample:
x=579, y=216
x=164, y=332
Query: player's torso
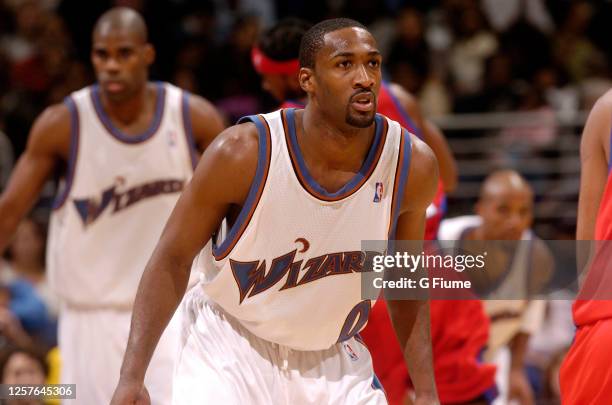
x=119, y=190
x=291, y=274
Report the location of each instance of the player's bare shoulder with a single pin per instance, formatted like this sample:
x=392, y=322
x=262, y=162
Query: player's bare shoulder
x=206, y=121
x=596, y=134
x=51, y=132
x=230, y=162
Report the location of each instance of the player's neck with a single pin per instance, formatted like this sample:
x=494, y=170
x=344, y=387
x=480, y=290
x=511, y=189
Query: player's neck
x=343, y=148
x=130, y=109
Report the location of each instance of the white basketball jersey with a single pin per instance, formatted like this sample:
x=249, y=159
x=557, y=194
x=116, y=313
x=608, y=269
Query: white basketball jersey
x=289, y=269
x=118, y=193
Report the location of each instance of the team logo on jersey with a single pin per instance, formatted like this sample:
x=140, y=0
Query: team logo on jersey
x=256, y=276
x=90, y=209
x=378, y=192
x=349, y=350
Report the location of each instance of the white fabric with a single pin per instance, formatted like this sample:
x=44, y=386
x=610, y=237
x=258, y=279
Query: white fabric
x=308, y=316
x=97, y=263
x=92, y=344
x=221, y=362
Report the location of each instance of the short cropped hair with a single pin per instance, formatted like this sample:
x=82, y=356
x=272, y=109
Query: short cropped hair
x=312, y=41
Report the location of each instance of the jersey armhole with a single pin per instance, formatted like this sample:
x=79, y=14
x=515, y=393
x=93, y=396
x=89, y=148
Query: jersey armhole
x=188, y=128
x=401, y=176
x=62, y=195
x=255, y=192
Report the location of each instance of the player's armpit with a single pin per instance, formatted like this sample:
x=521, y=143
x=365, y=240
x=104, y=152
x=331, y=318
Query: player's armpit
x=206, y=121
x=48, y=144
x=222, y=178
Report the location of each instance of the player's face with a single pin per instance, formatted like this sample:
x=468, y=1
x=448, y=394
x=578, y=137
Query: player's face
x=347, y=76
x=506, y=215
x=121, y=62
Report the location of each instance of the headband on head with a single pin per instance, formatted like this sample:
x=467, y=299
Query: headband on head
x=265, y=65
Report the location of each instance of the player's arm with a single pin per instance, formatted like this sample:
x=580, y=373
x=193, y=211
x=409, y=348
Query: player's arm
x=519, y=387
x=206, y=121
x=594, y=166
x=48, y=144
x=222, y=179
x=410, y=318
x=432, y=135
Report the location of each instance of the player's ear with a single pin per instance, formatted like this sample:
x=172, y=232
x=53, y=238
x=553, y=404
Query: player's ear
x=306, y=79
x=149, y=54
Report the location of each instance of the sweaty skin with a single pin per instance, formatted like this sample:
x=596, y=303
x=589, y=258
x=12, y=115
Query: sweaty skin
x=334, y=135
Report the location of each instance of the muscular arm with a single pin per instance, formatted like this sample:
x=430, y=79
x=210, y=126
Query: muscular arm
x=411, y=317
x=432, y=136
x=48, y=144
x=594, y=166
x=206, y=121
x=222, y=179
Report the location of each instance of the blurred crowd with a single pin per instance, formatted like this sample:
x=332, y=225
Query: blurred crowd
x=456, y=56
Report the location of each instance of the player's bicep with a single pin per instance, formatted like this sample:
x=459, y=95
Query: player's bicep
x=48, y=144
x=206, y=121
x=594, y=168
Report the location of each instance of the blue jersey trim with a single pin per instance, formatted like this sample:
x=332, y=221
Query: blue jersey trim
x=261, y=174
x=357, y=179
x=188, y=127
x=403, y=177
x=73, y=154
x=116, y=132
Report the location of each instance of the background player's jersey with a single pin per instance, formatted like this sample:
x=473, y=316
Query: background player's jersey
x=390, y=106
x=289, y=270
x=118, y=193
x=593, y=302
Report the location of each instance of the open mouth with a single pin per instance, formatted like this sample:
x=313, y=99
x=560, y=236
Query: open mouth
x=363, y=102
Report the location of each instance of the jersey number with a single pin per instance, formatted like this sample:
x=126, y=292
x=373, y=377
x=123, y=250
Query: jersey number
x=355, y=320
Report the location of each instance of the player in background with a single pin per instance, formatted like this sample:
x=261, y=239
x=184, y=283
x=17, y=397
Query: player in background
x=125, y=149
x=586, y=375
x=505, y=213
x=258, y=336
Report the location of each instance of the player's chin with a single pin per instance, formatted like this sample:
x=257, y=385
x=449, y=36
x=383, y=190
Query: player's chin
x=360, y=119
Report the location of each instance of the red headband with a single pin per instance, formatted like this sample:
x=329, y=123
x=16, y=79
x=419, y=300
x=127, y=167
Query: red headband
x=265, y=65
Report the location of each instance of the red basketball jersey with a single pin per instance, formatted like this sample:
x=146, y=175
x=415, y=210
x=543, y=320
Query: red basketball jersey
x=594, y=302
x=390, y=106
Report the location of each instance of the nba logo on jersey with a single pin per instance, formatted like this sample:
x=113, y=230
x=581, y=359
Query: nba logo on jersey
x=172, y=138
x=351, y=352
x=378, y=193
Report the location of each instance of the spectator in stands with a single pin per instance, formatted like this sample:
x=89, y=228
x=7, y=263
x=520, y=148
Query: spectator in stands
x=21, y=366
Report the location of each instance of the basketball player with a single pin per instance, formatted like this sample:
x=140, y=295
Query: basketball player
x=276, y=59
x=505, y=212
x=586, y=376
x=126, y=150
x=275, y=317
